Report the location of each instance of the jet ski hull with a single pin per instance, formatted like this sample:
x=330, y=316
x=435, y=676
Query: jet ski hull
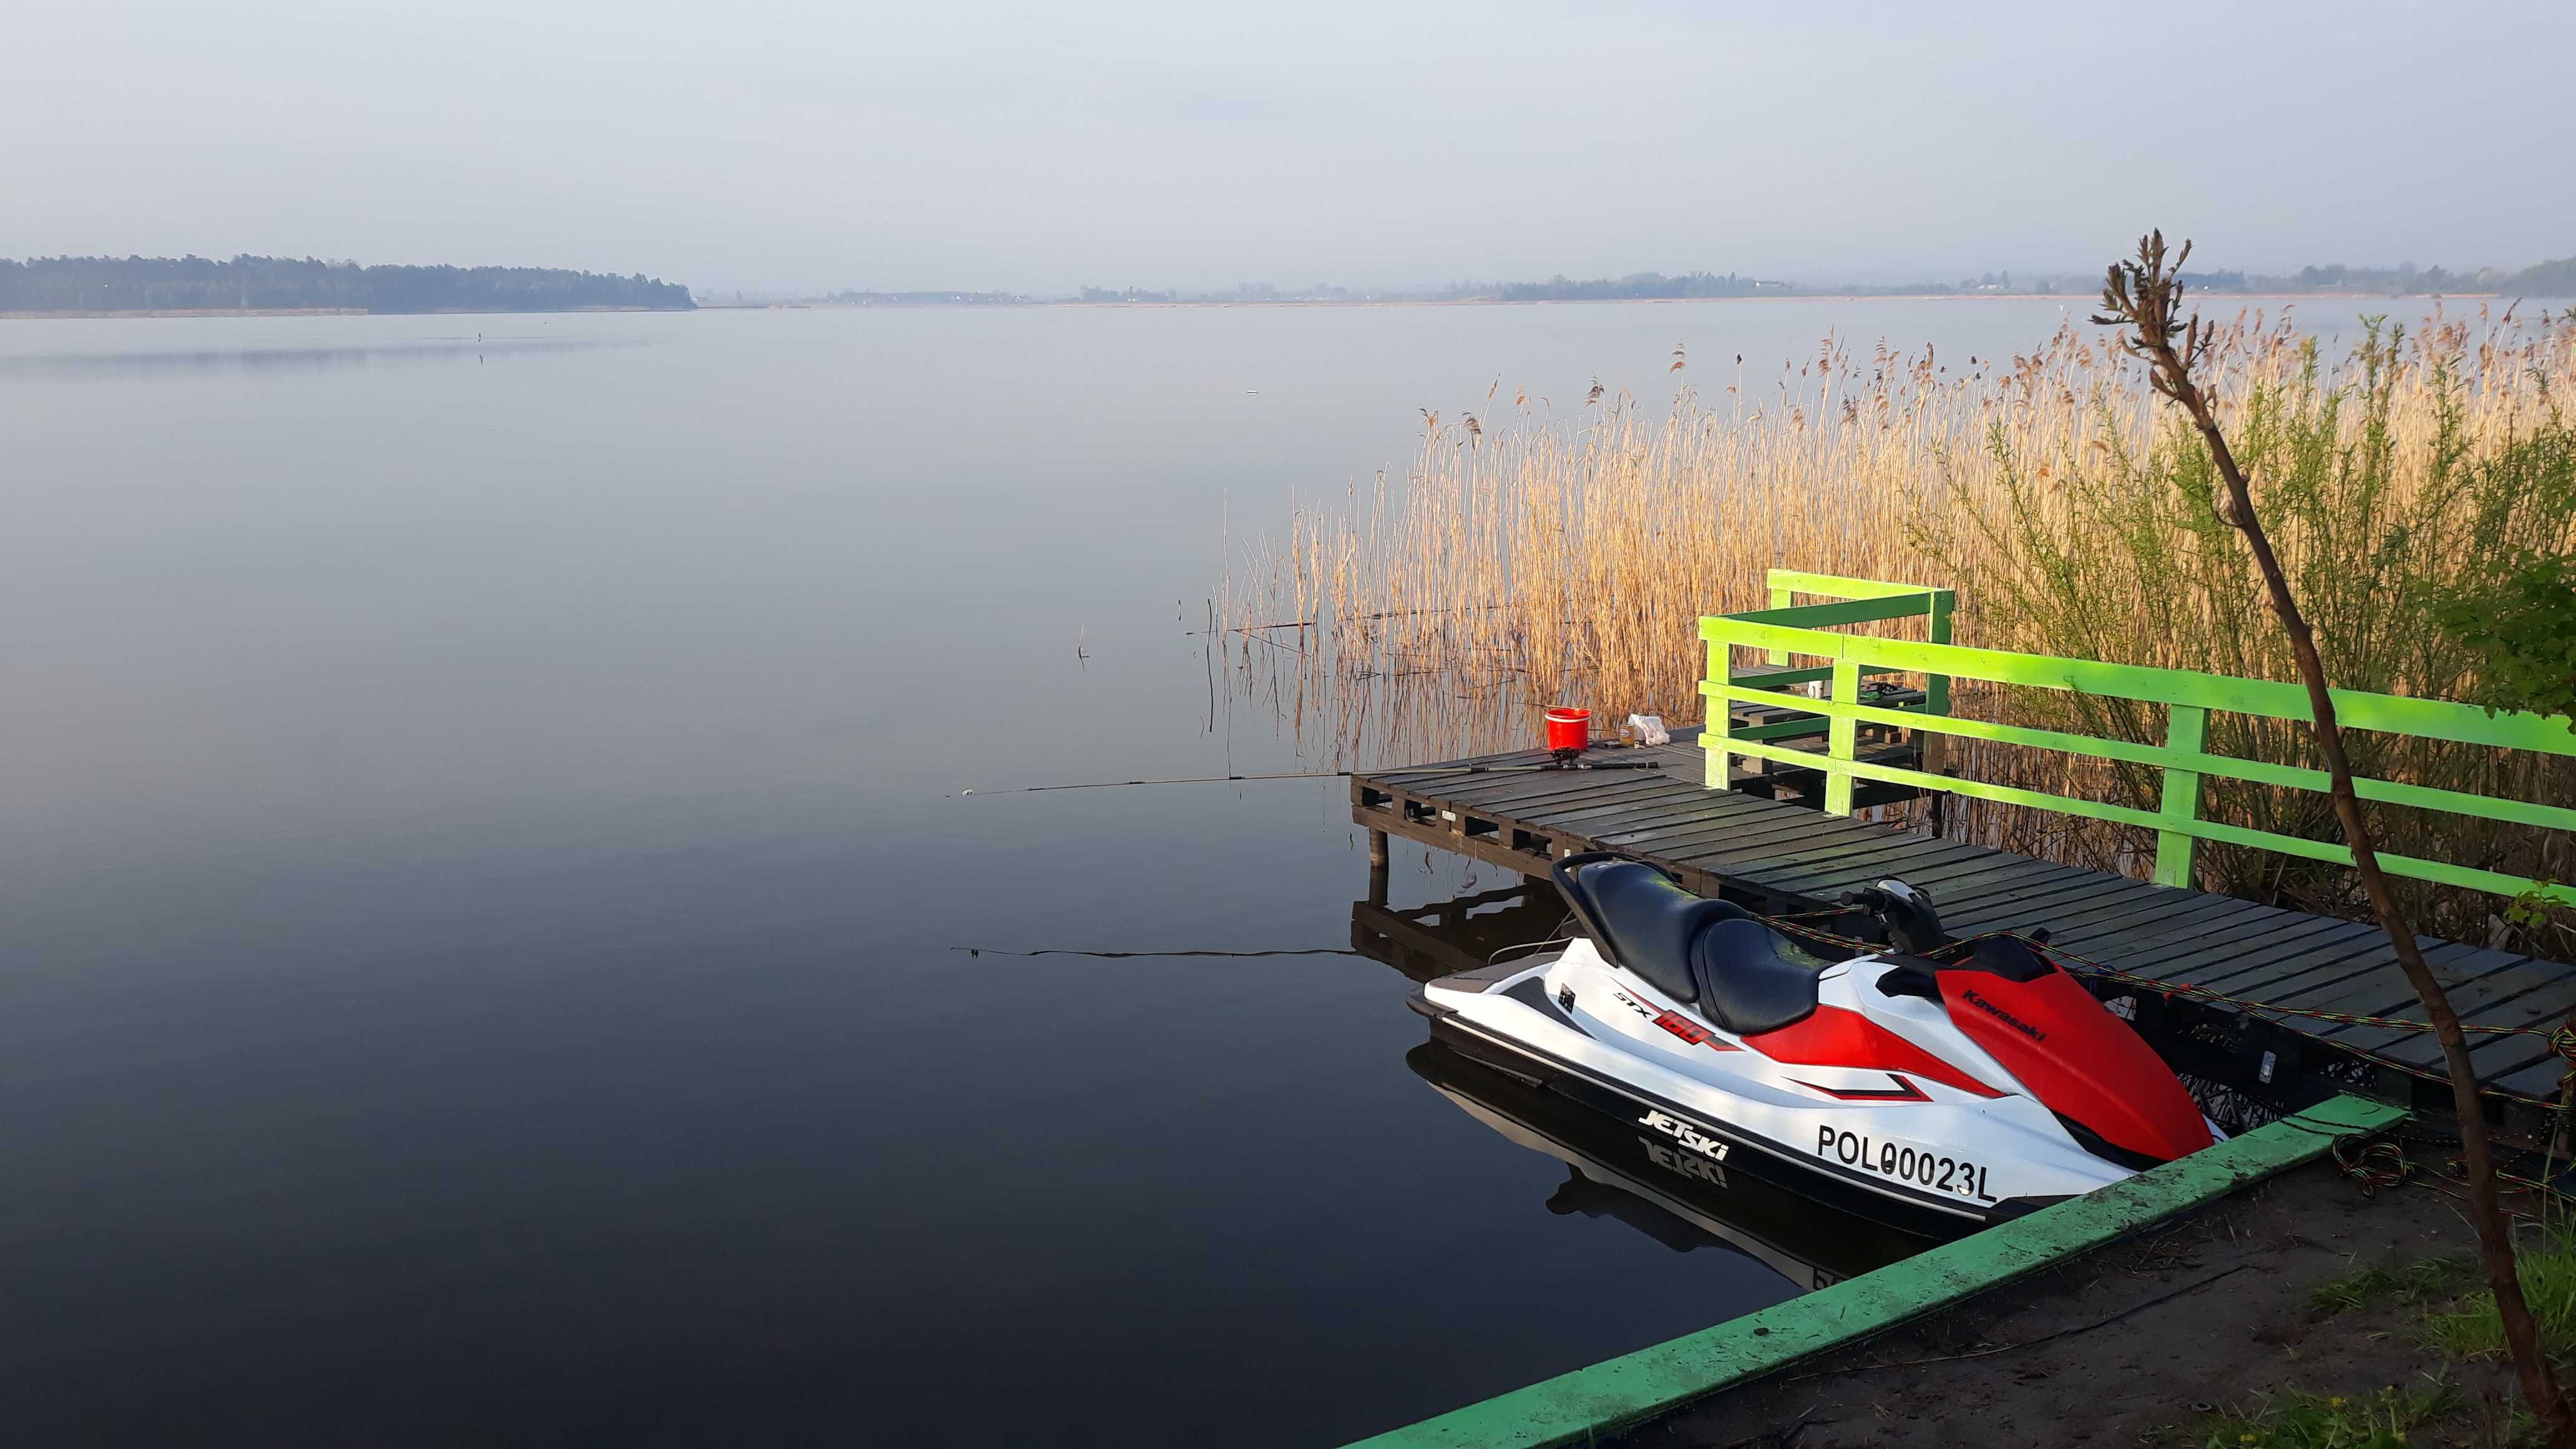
x=1926, y=1148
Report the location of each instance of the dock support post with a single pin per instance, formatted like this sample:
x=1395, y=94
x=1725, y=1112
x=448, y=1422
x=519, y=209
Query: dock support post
x=2185, y=727
x=1377, y=867
x=1932, y=750
x=1719, y=766
x=1841, y=739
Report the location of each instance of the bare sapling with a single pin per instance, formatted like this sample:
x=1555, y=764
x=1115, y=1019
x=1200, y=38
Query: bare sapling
x=2144, y=298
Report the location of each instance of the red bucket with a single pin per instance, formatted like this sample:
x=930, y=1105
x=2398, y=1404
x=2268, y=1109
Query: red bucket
x=1569, y=728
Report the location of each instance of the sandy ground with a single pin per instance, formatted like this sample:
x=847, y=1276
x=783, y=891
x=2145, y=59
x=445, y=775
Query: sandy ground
x=2212, y=1311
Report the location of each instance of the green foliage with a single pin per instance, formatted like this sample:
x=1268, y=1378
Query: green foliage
x=2420, y=520
x=2533, y=907
x=2467, y=1327
x=179, y=284
x=2411, y=1284
x=2546, y=279
x=1636, y=285
x=2517, y=619
x=2331, y=1421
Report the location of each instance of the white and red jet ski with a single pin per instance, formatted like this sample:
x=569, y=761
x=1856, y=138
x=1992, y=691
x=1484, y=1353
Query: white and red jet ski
x=1926, y=1081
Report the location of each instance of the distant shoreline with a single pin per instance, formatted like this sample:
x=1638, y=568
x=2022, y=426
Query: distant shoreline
x=2069, y=298
x=310, y=312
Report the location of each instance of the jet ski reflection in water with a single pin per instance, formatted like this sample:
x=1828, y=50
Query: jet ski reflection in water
x=1678, y=1197
x=1923, y=1085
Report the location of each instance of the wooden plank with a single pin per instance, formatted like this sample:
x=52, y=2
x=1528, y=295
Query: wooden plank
x=1488, y=793
x=2535, y=996
x=1715, y=836
x=1634, y=802
x=2156, y=912
x=1854, y=869
x=2382, y=992
x=1622, y=813
x=1407, y=776
x=2028, y=876
x=1833, y=855
x=2540, y=1079
x=1769, y=844
x=2023, y=911
x=2025, y=879
x=1970, y=880
x=2497, y=1058
x=1661, y=836
x=1709, y=806
x=2188, y=939
x=2493, y=987
x=2049, y=911
x=2309, y=962
x=2181, y=950
x=2278, y=955
x=2314, y=968
x=2137, y=921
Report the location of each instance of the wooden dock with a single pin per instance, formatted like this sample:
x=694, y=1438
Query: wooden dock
x=1778, y=857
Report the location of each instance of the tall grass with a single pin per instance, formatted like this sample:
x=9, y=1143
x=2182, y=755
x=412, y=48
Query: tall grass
x=1526, y=557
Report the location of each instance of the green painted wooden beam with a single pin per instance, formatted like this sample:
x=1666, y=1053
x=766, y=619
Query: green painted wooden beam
x=1574, y=1408
x=2167, y=756
x=1783, y=582
x=1786, y=584
x=2184, y=728
x=2492, y=882
x=1784, y=633
x=2388, y=713
x=1853, y=611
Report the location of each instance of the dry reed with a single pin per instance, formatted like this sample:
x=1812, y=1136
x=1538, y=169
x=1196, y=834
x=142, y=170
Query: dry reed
x=1525, y=559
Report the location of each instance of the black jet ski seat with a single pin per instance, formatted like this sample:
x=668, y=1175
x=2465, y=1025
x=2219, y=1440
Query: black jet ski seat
x=1738, y=972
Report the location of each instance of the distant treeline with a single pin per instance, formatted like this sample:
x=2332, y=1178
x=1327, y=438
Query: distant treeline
x=201, y=284
x=927, y=299
x=2546, y=279
x=1636, y=286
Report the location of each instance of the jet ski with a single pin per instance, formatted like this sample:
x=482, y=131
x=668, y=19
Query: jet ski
x=1930, y=1082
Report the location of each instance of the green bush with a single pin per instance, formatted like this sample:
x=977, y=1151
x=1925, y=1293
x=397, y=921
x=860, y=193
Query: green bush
x=2422, y=494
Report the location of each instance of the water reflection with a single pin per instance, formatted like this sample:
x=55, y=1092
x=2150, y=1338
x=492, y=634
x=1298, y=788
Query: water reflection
x=1465, y=931
x=1681, y=1201
x=294, y=361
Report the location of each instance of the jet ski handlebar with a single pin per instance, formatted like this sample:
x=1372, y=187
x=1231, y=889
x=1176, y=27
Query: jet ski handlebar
x=1905, y=913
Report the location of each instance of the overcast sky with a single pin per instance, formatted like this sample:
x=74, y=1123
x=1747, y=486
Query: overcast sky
x=1037, y=147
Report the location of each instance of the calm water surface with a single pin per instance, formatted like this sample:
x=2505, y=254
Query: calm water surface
x=489, y=927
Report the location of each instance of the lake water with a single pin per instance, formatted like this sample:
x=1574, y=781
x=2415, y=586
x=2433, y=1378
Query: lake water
x=491, y=930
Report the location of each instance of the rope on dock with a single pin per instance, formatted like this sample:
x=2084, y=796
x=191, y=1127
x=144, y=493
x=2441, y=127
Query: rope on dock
x=1539, y=769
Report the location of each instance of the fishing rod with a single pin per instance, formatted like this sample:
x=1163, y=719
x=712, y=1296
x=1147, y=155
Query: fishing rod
x=1539, y=769
x=982, y=951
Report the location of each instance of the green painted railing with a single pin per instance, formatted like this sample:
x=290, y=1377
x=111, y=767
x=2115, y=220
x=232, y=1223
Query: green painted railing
x=1856, y=601
x=1784, y=631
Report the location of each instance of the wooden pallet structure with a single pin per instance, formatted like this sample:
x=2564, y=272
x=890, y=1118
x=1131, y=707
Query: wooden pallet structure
x=1759, y=809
